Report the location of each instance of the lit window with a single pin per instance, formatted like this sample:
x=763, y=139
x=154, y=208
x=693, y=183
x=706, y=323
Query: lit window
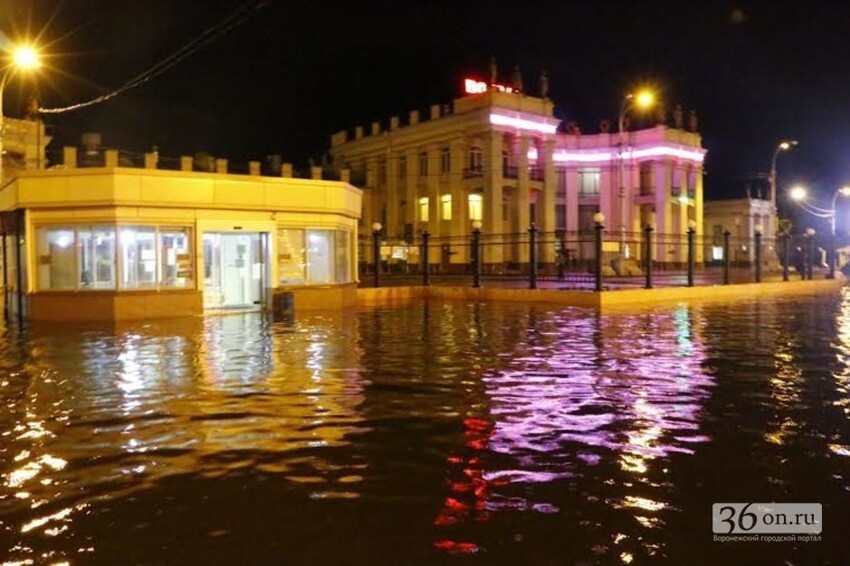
x=138, y=257
x=96, y=257
x=476, y=207
x=423, y=164
x=588, y=181
x=445, y=160
x=291, y=260
x=423, y=209
x=57, y=264
x=175, y=245
x=320, y=256
x=446, y=207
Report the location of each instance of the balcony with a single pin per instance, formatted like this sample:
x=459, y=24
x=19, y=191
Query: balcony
x=647, y=190
x=535, y=173
x=510, y=172
x=473, y=172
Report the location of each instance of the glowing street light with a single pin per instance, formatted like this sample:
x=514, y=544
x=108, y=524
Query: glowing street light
x=800, y=196
x=643, y=99
x=24, y=57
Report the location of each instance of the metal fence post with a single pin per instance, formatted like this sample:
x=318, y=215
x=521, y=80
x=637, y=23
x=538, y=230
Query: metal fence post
x=786, y=244
x=476, y=254
x=426, y=270
x=562, y=254
x=532, y=257
x=726, y=257
x=758, y=253
x=647, y=236
x=692, y=230
x=598, y=218
x=376, y=252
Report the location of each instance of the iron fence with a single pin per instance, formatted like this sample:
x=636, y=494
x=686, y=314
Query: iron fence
x=596, y=259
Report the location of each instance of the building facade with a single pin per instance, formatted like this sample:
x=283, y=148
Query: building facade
x=498, y=156
x=741, y=218
x=111, y=243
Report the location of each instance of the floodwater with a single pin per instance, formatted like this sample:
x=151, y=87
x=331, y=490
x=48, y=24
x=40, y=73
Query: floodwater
x=430, y=433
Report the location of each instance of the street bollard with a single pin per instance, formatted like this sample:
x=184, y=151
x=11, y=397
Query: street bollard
x=532, y=257
x=726, y=235
x=562, y=254
x=810, y=259
x=830, y=258
x=758, y=255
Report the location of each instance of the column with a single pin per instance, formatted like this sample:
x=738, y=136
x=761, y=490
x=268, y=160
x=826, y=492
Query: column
x=522, y=145
x=461, y=226
x=546, y=206
x=492, y=196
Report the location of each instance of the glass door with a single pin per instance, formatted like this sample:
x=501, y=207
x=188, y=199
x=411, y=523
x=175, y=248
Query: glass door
x=234, y=270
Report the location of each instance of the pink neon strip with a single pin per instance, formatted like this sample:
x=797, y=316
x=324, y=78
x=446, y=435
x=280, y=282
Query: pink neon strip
x=522, y=124
x=604, y=156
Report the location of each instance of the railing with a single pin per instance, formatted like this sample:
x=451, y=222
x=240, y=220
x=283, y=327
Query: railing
x=596, y=259
x=473, y=172
x=510, y=172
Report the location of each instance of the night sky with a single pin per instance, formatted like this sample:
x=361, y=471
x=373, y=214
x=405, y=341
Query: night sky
x=297, y=71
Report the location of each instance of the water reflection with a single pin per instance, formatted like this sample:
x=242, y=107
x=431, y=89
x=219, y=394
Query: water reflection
x=522, y=434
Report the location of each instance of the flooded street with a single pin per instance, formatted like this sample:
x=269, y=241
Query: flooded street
x=434, y=432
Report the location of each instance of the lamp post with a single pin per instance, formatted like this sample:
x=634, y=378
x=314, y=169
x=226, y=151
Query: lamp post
x=376, y=251
x=758, y=229
x=800, y=196
x=643, y=99
x=783, y=145
x=23, y=57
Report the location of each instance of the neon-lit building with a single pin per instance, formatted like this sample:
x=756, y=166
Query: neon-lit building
x=499, y=156
x=113, y=243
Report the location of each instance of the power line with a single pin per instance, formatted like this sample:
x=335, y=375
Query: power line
x=234, y=19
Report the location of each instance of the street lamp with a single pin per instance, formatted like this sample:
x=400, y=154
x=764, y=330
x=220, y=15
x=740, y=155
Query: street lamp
x=800, y=195
x=24, y=57
x=641, y=100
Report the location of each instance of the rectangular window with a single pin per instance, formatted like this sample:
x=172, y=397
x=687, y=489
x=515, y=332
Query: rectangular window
x=343, y=239
x=476, y=207
x=445, y=160
x=588, y=180
x=138, y=257
x=423, y=209
x=57, y=265
x=423, y=164
x=560, y=216
x=446, y=207
x=382, y=172
x=291, y=260
x=175, y=257
x=320, y=256
x=96, y=257
x=402, y=167
x=646, y=180
x=561, y=180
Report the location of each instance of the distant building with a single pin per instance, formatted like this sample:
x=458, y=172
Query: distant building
x=740, y=217
x=497, y=155
x=23, y=147
x=111, y=242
